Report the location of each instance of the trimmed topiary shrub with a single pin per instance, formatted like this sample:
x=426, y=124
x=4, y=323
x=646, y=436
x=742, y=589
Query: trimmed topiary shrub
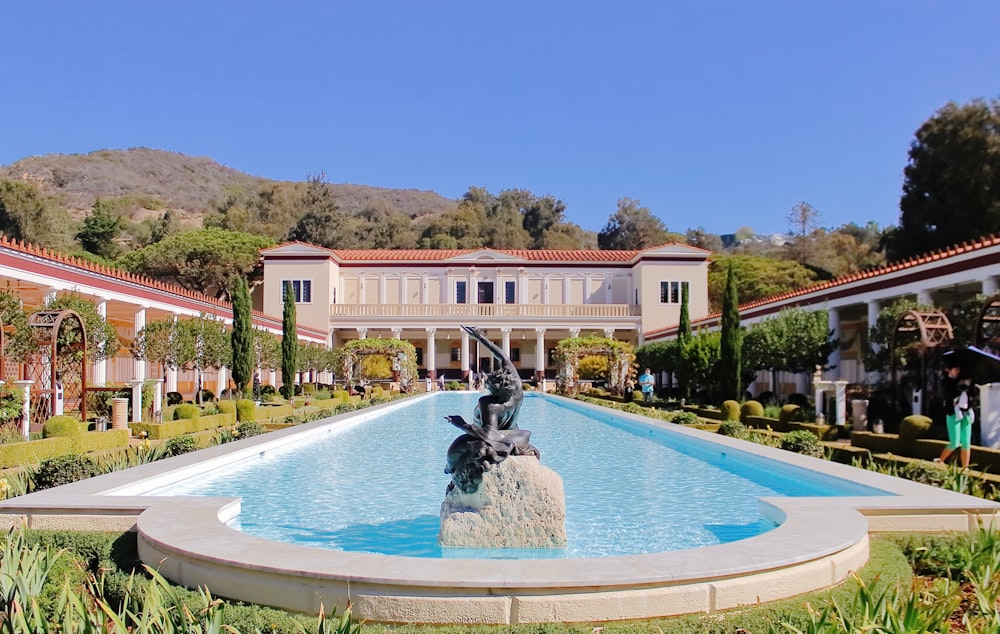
x=790, y=414
x=178, y=445
x=174, y=398
x=730, y=410
x=245, y=409
x=63, y=470
x=226, y=407
x=803, y=442
x=62, y=427
x=733, y=428
x=751, y=408
x=913, y=427
x=186, y=411
x=250, y=428
x=207, y=396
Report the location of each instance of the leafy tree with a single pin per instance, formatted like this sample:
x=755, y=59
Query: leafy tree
x=730, y=368
x=162, y=227
x=383, y=228
x=756, y=276
x=102, y=340
x=210, y=342
x=266, y=350
x=703, y=240
x=289, y=343
x=633, y=227
x=204, y=260
x=567, y=235
x=458, y=228
x=242, y=336
x=845, y=250
x=101, y=228
x=795, y=340
x=164, y=341
x=951, y=184
x=18, y=340
x=27, y=214
x=699, y=361
x=269, y=210
x=540, y=216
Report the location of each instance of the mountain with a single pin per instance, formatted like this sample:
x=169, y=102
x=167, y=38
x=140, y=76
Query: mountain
x=156, y=180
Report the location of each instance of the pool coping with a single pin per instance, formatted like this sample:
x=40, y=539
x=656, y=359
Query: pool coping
x=818, y=543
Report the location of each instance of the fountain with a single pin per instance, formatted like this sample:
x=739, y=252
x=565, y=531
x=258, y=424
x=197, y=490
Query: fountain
x=500, y=495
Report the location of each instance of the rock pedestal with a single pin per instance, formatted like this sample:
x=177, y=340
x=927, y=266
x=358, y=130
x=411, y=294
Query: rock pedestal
x=520, y=504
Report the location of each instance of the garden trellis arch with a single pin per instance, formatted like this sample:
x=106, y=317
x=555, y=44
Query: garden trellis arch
x=987, y=334
x=61, y=356
x=401, y=354
x=620, y=354
x=921, y=332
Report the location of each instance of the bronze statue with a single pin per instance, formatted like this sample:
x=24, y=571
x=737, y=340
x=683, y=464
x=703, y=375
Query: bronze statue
x=494, y=434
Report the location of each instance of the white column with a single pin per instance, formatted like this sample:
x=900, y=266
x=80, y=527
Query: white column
x=430, y=358
x=924, y=297
x=989, y=286
x=361, y=288
x=397, y=333
x=522, y=286
x=158, y=401
x=472, y=293
x=588, y=283
x=221, y=381
x=382, y=299
x=607, y=289
x=136, y=400
x=402, y=288
x=101, y=367
x=539, y=352
x=505, y=341
x=25, y=387
x=272, y=377
x=609, y=333
x=465, y=354
x=545, y=289
x=574, y=333
x=171, y=379
x=833, y=323
x=565, y=293
x=423, y=289
x=139, y=322
x=362, y=333
x=50, y=296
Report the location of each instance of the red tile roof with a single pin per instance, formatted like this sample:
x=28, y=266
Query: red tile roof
x=437, y=255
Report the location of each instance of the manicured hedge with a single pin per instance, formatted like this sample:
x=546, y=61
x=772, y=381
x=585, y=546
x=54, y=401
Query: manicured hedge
x=33, y=451
x=101, y=440
x=171, y=428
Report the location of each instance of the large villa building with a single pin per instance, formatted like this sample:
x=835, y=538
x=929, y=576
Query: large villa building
x=526, y=301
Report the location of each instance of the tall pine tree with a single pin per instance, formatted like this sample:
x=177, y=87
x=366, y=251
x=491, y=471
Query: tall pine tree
x=729, y=346
x=242, y=335
x=289, y=344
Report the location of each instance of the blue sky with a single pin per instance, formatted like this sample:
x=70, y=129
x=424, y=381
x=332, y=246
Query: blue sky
x=713, y=114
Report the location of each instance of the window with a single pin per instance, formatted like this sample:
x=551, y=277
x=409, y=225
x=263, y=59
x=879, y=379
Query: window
x=515, y=355
x=460, y=292
x=420, y=356
x=509, y=293
x=456, y=355
x=670, y=292
x=301, y=290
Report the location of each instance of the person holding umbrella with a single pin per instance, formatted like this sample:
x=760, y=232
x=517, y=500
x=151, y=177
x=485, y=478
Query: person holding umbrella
x=956, y=386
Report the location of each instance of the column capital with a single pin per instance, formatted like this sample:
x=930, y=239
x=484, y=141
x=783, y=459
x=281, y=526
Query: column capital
x=609, y=333
x=574, y=332
x=397, y=333
x=539, y=331
x=506, y=331
x=431, y=331
x=362, y=333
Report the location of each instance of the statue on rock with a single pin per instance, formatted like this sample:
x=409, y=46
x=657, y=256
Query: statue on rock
x=493, y=435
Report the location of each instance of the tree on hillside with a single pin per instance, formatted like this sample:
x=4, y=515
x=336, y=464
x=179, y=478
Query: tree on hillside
x=567, y=235
x=633, y=226
x=205, y=260
x=461, y=228
x=540, y=217
x=28, y=214
x=241, y=337
x=951, y=184
x=803, y=221
x=757, y=277
x=730, y=367
x=289, y=343
x=703, y=240
x=100, y=231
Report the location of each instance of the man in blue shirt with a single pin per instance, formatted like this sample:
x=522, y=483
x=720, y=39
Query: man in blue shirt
x=646, y=382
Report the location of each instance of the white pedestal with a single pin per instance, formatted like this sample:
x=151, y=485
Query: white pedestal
x=989, y=411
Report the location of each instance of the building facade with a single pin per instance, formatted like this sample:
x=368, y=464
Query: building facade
x=526, y=301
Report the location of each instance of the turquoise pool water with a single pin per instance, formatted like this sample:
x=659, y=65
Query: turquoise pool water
x=376, y=486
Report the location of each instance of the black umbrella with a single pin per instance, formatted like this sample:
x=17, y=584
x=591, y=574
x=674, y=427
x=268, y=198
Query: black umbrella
x=977, y=365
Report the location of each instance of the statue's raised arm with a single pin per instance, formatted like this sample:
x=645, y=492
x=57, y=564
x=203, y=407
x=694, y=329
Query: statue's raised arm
x=499, y=409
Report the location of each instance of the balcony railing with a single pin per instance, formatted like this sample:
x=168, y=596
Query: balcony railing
x=484, y=310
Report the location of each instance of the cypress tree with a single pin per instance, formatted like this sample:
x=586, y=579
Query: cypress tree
x=684, y=325
x=289, y=344
x=242, y=335
x=729, y=346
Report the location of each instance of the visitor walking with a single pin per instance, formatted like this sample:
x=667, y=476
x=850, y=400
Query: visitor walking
x=646, y=382
x=441, y=382
x=960, y=416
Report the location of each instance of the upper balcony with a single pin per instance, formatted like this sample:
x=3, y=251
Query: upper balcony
x=486, y=310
